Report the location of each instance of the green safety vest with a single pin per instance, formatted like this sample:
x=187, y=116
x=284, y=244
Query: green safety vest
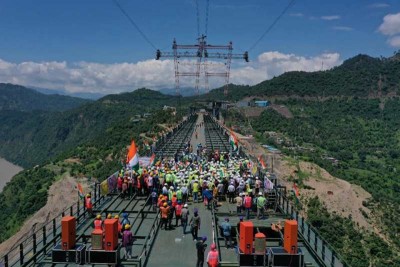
x=170, y=194
x=179, y=194
x=168, y=177
x=195, y=187
x=261, y=202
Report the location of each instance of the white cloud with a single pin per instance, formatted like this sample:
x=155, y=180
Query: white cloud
x=154, y=74
x=394, y=41
x=299, y=15
x=342, y=28
x=278, y=63
x=379, y=5
x=333, y=17
x=390, y=24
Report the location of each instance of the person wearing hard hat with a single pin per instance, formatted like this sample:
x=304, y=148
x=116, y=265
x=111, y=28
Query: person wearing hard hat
x=164, y=216
x=179, y=195
x=127, y=242
x=89, y=205
x=239, y=203
x=195, y=222
x=201, y=248
x=261, y=202
x=125, y=220
x=247, y=202
x=98, y=223
x=154, y=199
x=184, y=217
x=226, y=229
x=171, y=213
x=231, y=192
x=185, y=192
x=212, y=257
x=178, y=212
x=196, y=189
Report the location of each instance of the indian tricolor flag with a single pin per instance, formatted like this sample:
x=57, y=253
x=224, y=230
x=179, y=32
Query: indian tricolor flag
x=80, y=191
x=262, y=162
x=152, y=159
x=132, y=159
x=233, y=141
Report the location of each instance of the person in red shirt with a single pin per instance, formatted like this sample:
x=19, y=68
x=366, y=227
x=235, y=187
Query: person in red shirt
x=174, y=200
x=247, y=205
x=164, y=215
x=119, y=184
x=89, y=205
x=98, y=223
x=212, y=257
x=178, y=213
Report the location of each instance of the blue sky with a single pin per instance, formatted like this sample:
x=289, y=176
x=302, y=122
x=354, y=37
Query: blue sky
x=75, y=36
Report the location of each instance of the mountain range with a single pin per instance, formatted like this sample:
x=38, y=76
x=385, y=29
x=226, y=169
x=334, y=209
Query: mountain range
x=46, y=130
x=19, y=98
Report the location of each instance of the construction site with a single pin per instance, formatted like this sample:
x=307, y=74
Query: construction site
x=283, y=238
x=217, y=182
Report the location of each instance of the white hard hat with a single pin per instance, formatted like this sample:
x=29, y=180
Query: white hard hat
x=260, y=194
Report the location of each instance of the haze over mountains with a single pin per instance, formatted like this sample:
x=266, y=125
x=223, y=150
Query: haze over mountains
x=91, y=96
x=19, y=98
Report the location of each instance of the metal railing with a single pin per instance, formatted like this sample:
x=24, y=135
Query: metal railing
x=37, y=244
x=325, y=254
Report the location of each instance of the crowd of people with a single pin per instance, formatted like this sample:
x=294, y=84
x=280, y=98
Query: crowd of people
x=210, y=179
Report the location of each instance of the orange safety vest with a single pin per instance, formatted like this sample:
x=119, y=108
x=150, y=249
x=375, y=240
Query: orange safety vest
x=88, y=203
x=98, y=225
x=178, y=210
x=213, y=258
x=174, y=201
x=247, y=202
x=164, y=212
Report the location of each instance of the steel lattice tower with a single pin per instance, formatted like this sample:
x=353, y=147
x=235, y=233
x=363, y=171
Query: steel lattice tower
x=202, y=52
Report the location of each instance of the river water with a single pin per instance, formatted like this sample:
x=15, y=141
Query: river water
x=7, y=171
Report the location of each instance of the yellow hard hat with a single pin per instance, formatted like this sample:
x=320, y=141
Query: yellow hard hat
x=127, y=226
x=109, y=216
x=87, y=195
x=98, y=216
x=165, y=204
x=116, y=217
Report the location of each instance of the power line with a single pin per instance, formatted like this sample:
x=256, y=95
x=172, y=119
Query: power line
x=198, y=17
x=134, y=24
x=207, y=8
x=291, y=3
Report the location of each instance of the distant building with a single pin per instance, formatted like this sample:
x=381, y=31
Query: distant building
x=242, y=104
x=261, y=103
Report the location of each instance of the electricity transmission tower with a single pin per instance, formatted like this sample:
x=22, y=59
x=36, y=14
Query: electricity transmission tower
x=201, y=52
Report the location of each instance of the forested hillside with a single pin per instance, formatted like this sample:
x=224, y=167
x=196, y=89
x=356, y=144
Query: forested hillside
x=19, y=98
x=97, y=158
x=361, y=76
x=30, y=138
x=364, y=136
